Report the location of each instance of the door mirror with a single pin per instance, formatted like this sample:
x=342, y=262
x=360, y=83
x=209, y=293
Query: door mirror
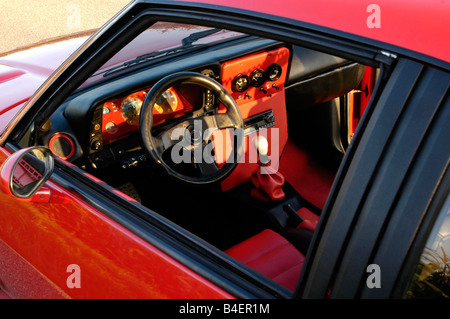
x=26, y=171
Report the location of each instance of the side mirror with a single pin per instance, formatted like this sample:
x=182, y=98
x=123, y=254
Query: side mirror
x=24, y=173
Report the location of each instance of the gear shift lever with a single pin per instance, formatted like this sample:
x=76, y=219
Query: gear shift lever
x=266, y=180
x=262, y=146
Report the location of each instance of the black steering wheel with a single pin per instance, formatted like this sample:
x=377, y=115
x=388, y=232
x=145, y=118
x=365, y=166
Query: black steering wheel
x=191, y=134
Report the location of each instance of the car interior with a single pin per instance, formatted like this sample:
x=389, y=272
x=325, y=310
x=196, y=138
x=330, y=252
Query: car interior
x=277, y=128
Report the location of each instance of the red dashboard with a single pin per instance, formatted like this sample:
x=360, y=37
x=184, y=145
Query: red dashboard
x=266, y=72
x=121, y=116
x=255, y=81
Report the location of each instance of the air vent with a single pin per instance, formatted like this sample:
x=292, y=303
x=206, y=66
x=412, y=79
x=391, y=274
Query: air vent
x=62, y=146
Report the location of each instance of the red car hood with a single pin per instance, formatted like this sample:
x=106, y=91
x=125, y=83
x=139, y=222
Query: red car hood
x=23, y=71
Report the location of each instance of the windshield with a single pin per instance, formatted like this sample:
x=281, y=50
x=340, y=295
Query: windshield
x=163, y=39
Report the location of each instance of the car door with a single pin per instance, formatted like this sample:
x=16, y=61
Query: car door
x=385, y=195
x=68, y=246
x=75, y=245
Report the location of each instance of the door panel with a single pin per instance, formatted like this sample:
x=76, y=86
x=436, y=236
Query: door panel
x=53, y=247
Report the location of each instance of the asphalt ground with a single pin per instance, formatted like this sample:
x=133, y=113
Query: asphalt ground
x=24, y=22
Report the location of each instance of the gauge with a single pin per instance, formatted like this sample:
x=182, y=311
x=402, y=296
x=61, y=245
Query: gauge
x=167, y=102
x=111, y=127
x=257, y=78
x=240, y=83
x=274, y=72
x=131, y=107
x=106, y=110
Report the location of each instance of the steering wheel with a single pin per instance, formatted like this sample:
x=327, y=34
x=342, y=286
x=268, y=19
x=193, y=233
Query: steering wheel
x=192, y=134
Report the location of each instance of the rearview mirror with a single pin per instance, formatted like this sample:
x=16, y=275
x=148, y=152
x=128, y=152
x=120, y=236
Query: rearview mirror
x=26, y=171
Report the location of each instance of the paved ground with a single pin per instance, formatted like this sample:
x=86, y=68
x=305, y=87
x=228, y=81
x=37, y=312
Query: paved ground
x=28, y=21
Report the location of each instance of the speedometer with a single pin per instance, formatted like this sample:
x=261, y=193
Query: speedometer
x=130, y=108
x=257, y=78
x=240, y=83
x=274, y=72
x=167, y=102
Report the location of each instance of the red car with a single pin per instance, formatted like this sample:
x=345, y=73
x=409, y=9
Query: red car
x=231, y=149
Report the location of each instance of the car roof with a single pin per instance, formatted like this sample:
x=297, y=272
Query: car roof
x=418, y=25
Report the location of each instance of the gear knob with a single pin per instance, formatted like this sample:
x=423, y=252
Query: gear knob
x=262, y=146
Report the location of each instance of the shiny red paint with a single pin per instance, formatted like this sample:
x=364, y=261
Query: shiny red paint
x=23, y=71
x=8, y=73
x=418, y=25
x=114, y=262
x=8, y=113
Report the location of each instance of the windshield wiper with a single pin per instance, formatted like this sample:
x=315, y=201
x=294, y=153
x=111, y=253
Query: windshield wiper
x=186, y=44
x=197, y=36
x=148, y=57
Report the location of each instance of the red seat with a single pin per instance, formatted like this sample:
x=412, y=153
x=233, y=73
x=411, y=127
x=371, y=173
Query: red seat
x=272, y=255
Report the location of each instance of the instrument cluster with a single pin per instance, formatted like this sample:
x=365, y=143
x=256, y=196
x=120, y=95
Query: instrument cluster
x=256, y=76
x=247, y=78
x=121, y=116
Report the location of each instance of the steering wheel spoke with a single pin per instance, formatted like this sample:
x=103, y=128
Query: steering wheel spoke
x=206, y=168
x=219, y=121
x=162, y=143
x=170, y=136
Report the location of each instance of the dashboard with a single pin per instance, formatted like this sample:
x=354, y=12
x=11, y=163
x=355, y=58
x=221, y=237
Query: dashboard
x=102, y=132
x=98, y=126
x=248, y=79
x=256, y=82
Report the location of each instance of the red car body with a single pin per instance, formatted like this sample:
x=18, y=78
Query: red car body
x=411, y=25
x=40, y=240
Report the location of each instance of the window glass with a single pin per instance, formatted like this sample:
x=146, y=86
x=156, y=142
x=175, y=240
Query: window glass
x=162, y=39
x=432, y=277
